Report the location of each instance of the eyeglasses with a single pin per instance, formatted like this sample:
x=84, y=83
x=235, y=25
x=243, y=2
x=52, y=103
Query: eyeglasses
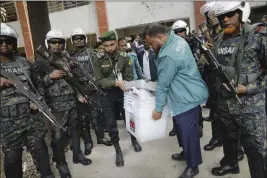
x=228, y=15
x=8, y=41
x=179, y=30
x=78, y=38
x=61, y=42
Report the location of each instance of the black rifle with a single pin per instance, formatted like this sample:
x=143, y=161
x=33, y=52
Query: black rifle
x=220, y=70
x=85, y=73
x=22, y=88
x=62, y=64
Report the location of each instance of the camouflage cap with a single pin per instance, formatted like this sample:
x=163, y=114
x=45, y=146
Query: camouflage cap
x=108, y=36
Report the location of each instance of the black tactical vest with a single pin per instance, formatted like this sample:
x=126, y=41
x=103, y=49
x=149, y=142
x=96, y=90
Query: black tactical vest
x=84, y=57
x=59, y=90
x=13, y=103
x=241, y=63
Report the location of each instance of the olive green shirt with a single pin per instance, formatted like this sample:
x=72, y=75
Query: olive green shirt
x=107, y=68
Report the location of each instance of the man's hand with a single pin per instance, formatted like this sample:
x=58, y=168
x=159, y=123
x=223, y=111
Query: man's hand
x=156, y=115
x=82, y=99
x=241, y=89
x=203, y=60
x=208, y=45
x=57, y=74
x=5, y=82
x=121, y=84
x=33, y=107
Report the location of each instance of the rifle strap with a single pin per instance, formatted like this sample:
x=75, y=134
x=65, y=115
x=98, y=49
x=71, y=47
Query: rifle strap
x=18, y=60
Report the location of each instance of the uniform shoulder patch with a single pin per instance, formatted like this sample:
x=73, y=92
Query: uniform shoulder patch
x=130, y=62
x=123, y=54
x=100, y=54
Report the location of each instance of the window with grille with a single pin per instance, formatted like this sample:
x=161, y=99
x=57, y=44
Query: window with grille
x=11, y=14
x=56, y=6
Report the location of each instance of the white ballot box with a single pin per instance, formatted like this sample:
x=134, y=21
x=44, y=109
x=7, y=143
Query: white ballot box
x=139, y=105
x=141, y=84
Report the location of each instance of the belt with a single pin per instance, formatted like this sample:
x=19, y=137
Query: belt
x=61, y=98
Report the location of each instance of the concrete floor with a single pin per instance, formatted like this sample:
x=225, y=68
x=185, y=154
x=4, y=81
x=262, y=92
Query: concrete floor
x=153, y=161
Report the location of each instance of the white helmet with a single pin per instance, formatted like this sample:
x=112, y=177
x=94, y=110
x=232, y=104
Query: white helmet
x=180, y=24
x=229, y=6
x=206, y=8
x=7, y=30
x=54, y=34
x=78, y=31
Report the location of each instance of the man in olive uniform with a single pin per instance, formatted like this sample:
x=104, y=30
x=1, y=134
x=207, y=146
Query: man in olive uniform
x=243, y=55
x=112, y=68
x=84, y=56
x=61, y=98
x=19, y=126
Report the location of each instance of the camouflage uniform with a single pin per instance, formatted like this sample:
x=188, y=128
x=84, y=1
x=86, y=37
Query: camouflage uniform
x=61, y=99
x=250, y=121
x=85, y=58
x=19, y=126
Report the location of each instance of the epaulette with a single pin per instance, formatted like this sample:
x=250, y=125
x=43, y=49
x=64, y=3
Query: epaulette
x=100, y=54
x=124, y=54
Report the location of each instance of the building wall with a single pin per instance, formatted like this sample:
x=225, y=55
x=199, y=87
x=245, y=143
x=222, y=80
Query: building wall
x=80, y=17
x=17, y=27
x=127, y=14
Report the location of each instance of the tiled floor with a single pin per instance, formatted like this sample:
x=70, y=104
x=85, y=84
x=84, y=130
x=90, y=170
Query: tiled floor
x=153, y=161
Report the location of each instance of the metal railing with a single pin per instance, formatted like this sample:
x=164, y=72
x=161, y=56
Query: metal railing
x=56, y=6
x=11, y=14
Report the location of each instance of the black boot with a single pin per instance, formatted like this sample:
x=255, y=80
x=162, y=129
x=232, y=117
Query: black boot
x=190, y=172
x=79, y=158
x=104, y=141
x=88, y=148
x=225, y=169
x=213, y=144
x=178, y=156
x=64, y=171
x=135, y=144
x=119, y=156
x=172, y=132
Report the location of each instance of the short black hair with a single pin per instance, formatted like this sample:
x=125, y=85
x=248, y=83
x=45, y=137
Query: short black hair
x=99, y=43
x=153, y=29
x=120, y=39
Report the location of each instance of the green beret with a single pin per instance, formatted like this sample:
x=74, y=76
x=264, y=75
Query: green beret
x=108, y=36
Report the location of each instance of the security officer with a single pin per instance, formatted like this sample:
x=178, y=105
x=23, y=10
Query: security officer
x=243, y=55
x=84, y=56
x=112, y=68
x=211, y=28
x=61, y=99
x=18, y=124
x=181, y=28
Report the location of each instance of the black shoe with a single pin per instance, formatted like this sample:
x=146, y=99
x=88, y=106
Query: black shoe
x=226, y=169
x=64, y=171
x=207, y=119
x=200, y=131
x=104, y=141
x=190, y=172
x=119, y=156
x=88, y=148
x=172, y=132
x=178, y=156
x=135, y=144
x=79, y=158
x=212, y=144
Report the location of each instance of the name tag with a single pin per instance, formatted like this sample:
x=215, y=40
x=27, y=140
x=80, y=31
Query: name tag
x=105, y=65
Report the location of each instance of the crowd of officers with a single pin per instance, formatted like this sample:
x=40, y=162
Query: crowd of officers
x=237, y=45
